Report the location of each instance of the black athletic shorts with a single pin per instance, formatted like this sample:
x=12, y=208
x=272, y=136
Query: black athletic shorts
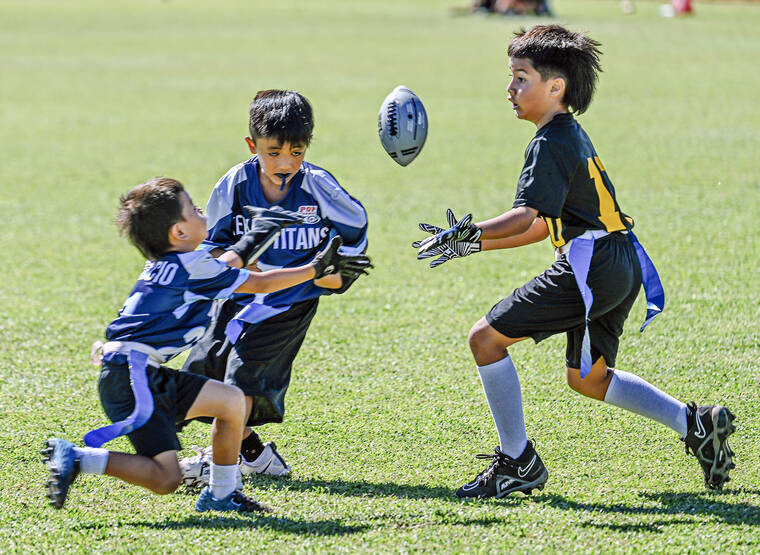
x=261, y=360
x=551, y=303
x=173, y=395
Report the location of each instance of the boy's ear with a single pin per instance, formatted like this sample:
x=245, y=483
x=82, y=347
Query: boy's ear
x=176, y=233
x=558, y=87
x=251, y=145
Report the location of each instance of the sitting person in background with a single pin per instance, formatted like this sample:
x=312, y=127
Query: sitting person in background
x=512, y=7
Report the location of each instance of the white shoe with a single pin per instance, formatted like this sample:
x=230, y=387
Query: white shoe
x=196, y=471
x=269, y=462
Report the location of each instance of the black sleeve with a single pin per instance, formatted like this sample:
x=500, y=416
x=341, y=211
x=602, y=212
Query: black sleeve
x=544, y=181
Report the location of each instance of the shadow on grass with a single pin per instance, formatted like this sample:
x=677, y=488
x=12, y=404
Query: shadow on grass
x=334, y=527
x=354, y=488
x=671, y=503
x=269, y=522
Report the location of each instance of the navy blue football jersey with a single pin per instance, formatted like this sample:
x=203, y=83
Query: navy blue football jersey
x=169, y=307
x=328, y=210
x=566, y=182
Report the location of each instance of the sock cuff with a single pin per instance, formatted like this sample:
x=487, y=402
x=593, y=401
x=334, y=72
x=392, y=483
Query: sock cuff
x=222, y=469
x=498, y=366
x=92, y=460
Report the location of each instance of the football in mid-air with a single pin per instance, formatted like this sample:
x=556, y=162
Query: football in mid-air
x=402, y=125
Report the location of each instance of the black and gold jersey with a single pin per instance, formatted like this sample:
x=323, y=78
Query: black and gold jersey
x=566, y=182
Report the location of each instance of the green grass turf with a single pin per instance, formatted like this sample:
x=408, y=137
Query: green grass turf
x=385, y=412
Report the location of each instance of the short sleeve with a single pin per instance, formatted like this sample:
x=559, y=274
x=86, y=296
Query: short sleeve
x=543, y=182
x=346, y=215
x=211, y=278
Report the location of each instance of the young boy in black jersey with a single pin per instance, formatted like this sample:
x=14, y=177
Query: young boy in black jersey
x=564, y=193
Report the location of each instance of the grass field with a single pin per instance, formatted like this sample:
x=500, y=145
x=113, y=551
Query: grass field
x=385, y=412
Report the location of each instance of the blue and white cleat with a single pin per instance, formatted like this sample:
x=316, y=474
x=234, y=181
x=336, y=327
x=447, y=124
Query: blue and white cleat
x=234, y=502
x=62, y=463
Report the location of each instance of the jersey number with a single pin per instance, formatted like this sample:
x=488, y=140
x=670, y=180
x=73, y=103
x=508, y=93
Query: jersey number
x=160, y=272
x=609, y=217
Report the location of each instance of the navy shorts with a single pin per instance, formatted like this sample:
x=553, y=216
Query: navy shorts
x=173, y=395
x=261, y=360
x=551, y=303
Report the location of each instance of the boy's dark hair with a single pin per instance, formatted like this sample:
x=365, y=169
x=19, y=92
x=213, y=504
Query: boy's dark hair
x=282, y=115
x=558, y=52
x=147, y=212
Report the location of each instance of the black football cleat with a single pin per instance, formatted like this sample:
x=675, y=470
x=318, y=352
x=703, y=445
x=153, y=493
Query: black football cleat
x=506, y=475
x=707, y=439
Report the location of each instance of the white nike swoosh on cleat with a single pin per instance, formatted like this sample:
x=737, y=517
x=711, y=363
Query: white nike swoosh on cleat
x=523, y=471
x=469, y=486
x=701, y=432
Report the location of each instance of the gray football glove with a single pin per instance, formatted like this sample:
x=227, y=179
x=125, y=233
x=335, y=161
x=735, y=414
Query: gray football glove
x=463, y=240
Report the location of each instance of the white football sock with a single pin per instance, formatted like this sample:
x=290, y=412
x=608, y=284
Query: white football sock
x=502, y=388
x=632, y=393
x=223, y=480
x=92, y=460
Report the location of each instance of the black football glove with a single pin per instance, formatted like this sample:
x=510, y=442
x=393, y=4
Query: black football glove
x=463, y=240
x=275, y=214
x=330, y=261
x=266, y=226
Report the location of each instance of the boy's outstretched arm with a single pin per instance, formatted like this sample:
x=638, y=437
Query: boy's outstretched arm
x=328, y=262
x=513, y=222
x=538, y=231
x=520, y=226
x=274, y=280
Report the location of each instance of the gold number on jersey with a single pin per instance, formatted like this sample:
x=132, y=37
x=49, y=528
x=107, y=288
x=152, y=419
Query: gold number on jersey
x=609, y=217
x=555, y=230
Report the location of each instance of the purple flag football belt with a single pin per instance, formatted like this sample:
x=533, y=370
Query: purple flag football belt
x=579, y=252
x=138, y=361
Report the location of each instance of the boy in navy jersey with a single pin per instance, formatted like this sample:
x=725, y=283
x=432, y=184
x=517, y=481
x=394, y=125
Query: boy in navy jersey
x=167, y=311
x=564, y=193
x=254, y=339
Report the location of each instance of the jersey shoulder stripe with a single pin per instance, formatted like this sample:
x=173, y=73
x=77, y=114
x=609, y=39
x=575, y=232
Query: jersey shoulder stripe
x=201, y=265
x=334, y=202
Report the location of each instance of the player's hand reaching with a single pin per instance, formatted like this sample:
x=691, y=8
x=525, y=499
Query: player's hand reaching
x=266, y=225
x=461, y=239
x=330, y=261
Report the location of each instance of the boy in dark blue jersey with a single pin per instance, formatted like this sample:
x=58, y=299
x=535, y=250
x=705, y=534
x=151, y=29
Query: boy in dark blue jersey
x=167, y=311
x=254, y=339
x=564, y=193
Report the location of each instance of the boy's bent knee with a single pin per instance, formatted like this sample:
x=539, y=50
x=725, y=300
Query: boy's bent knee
x=167, y=486
x=480, y=336
x=487, y=344
x=166, y=477
x=219, y=400
x=234, y=407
